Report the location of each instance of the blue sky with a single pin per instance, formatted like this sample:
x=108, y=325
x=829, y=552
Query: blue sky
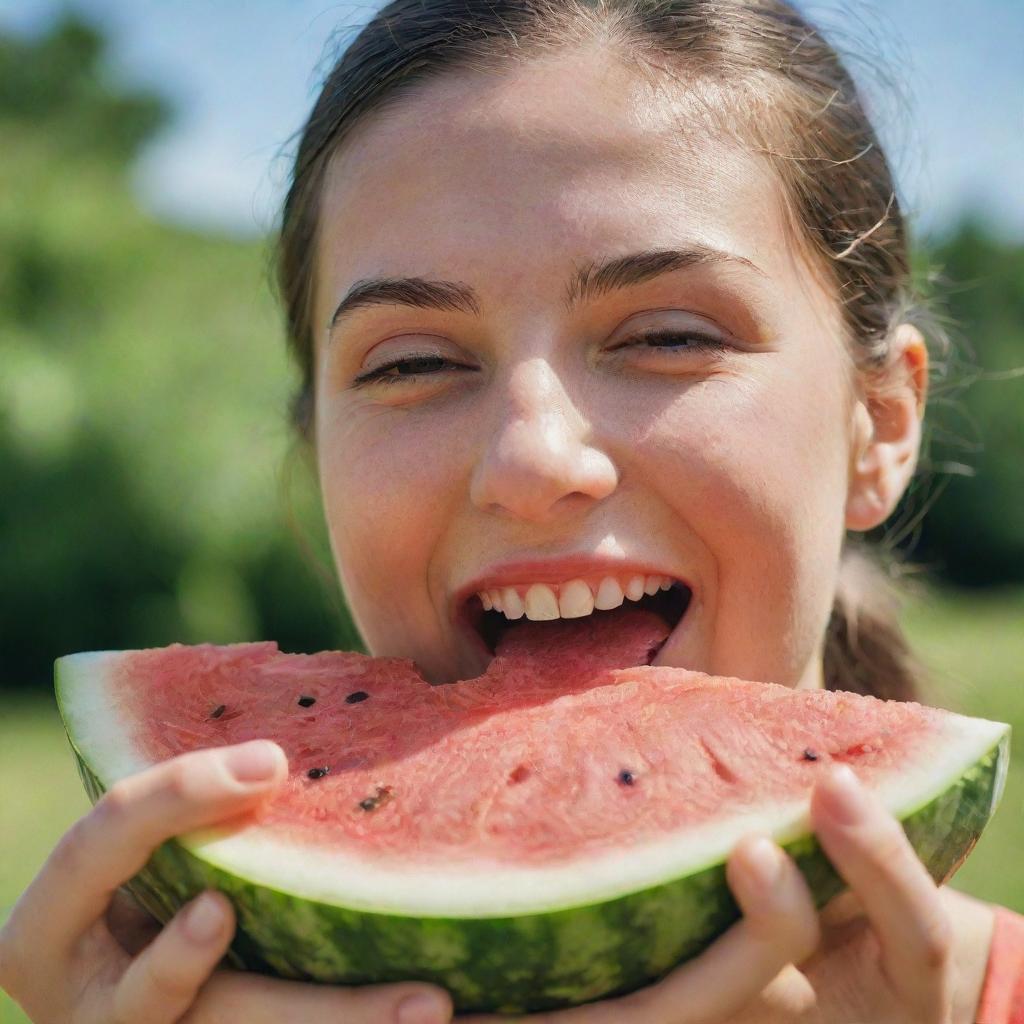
x=243, y=74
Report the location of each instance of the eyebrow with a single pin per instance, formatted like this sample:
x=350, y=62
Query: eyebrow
x=590, y=281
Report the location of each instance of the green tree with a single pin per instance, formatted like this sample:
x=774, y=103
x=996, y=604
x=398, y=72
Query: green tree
x=58, y=83
x=143, y=396
x=974, y=533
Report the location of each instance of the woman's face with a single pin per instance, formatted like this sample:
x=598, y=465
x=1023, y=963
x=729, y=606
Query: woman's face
x=531, y=433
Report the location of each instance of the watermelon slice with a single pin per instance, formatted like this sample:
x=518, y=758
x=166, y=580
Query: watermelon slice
x=550, y=833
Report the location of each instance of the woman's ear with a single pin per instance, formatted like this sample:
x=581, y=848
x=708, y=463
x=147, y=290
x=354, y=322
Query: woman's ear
x=886, y=435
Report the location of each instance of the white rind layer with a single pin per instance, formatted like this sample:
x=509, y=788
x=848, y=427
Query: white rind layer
x=482, y=887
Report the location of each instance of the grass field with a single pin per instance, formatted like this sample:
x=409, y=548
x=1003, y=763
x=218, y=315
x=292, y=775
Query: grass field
x=973, y=643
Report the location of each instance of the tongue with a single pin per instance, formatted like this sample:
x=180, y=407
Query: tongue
x=620, y=638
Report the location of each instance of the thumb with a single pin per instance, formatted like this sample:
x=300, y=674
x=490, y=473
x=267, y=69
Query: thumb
x=422, y=1005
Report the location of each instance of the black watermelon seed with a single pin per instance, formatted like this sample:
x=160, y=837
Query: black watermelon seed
x=371, y=803
x=810, y=755
x=306, y=702
x=218, y=711
x=355, y=698
x=318, y=773
x=626, y=777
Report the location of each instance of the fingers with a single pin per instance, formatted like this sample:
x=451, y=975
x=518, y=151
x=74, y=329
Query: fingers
x=162, y=982
x=779, y=927
x=111, y=843
x=870, y=850
x=173, y=978
x=234, y=996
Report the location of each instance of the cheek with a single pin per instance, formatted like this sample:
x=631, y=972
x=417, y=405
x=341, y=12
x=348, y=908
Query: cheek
x=386, y=492
x=769, y=448
x=759, y=473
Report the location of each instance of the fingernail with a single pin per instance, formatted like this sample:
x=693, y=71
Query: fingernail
x=423, y=1008
x=846, y=802
x=764, y=863
x=257, y=761
x=204, y=919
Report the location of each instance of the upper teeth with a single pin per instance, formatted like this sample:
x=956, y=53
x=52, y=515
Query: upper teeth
x=570, y=600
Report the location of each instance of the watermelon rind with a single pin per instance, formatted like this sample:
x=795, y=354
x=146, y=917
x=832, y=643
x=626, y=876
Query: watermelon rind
x=523, y=942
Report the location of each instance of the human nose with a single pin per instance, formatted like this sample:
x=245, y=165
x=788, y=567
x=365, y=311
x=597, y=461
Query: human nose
x=539, y=458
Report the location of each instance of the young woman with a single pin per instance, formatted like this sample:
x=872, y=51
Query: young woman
x=579, y=291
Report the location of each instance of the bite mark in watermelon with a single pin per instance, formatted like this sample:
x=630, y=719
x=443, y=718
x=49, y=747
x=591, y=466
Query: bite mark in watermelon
x=550, y=833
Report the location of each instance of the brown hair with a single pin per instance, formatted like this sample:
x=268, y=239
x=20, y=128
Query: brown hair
x=763, y=74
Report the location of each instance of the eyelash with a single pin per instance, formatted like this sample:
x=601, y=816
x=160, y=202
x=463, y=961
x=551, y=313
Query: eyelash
x=382, y=375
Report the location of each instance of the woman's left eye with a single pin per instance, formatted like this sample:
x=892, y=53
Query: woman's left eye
x=674, y=340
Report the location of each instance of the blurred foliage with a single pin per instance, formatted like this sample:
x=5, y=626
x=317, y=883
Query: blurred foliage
x=144, y=447
x=144, y=450
x=58, y=84
x=974, y=534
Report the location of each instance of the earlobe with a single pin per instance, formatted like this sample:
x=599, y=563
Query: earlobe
x=886, y=431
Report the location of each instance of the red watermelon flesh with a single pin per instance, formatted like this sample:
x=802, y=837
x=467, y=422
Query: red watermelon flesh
x=549, y=754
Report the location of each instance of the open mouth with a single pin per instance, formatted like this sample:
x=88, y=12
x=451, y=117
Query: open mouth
x=670, y=605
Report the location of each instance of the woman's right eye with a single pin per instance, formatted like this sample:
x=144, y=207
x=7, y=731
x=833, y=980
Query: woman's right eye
x=405, y=370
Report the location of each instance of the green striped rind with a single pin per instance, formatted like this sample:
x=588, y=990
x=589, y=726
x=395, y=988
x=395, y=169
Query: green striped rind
x=539, y=961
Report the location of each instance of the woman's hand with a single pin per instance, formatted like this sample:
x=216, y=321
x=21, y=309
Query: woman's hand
x=881, y=953
x=59, y=957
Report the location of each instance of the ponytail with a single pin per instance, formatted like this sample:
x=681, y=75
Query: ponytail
x=866, y=650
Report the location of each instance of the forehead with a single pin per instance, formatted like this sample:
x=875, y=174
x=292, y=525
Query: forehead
x=504, y=180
